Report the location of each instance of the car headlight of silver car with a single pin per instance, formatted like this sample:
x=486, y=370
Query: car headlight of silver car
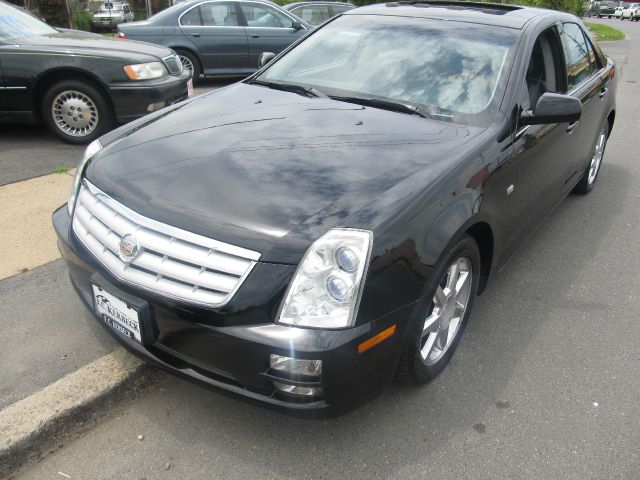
x=145, y=71
x=326, y=288
x=91, y=150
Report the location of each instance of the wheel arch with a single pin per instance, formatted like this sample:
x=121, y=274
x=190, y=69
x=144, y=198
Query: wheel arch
x=48, y=78
x=190, y=50
x=611, y=118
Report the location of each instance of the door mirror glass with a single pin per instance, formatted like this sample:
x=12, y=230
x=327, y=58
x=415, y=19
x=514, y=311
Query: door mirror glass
x=553, y=108
x=265, y=57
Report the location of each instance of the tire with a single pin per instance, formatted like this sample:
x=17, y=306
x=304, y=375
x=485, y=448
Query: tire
x=588, y=180
x=428, y=350
x=187, y=58
x=76, y=111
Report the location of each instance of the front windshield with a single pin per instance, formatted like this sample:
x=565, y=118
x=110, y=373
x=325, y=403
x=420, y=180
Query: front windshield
x=445, y=67
x=15, y=24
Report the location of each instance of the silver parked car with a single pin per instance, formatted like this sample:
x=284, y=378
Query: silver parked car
x=220, y=37
x=112, y=13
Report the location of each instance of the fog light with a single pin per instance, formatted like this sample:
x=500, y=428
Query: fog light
x=296, y=366
x=296, y=390
x=155, y=106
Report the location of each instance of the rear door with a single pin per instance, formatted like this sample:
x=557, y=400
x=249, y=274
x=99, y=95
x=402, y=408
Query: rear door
x=587, y=81
x=268, y=29
x=220, y=40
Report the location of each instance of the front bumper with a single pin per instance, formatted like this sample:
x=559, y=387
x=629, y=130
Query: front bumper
x=233, y=353
x=131, y=100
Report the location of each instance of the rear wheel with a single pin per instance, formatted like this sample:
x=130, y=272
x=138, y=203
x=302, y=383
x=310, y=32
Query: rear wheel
x=440, y=321
x=190, y=62
x=76, y=111
x=585, y=185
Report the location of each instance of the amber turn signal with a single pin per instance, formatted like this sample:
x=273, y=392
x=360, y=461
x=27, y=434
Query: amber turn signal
x=372, y=342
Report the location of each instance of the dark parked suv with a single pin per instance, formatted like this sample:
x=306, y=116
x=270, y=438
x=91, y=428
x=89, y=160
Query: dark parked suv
x=304, y=236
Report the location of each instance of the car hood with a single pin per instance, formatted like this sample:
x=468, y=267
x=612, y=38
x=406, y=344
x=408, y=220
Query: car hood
x=265, y=169
x=69, y=41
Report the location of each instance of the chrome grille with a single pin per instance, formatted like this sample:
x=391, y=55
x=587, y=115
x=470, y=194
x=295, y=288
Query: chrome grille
x=171, y=261
x=173, y=64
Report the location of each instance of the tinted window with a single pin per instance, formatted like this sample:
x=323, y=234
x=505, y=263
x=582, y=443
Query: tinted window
x=264, y=16
x=313, y=14
x=447, y=66
x=219, y=14
x=192, y=17
x=14, y=24
x=579, y=66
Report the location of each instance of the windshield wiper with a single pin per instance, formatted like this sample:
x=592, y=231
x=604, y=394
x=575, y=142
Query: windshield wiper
x=290, y=87
x=386, y=105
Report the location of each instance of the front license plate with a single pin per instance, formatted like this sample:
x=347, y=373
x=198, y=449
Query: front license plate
x=190, y=88
x=117, y=313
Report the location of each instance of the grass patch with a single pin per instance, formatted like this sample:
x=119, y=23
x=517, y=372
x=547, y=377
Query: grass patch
x=61, y=169
x=604, y=32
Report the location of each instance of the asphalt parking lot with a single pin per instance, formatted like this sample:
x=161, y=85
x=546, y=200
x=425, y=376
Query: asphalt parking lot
x=545, y=384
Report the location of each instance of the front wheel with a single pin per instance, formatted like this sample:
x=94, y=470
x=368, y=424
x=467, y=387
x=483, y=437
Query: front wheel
x=585, y=185
x=76, y=111
x=439, y=322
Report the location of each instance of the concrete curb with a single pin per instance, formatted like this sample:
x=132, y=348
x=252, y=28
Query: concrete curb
x=37, y=424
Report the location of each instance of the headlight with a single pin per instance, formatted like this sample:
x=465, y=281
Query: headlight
x=325, y=290
x=93, y=148
x=145, y=71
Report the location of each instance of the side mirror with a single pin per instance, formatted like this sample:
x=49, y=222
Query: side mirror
x=296, y=25
x=553, y=108
x=265, y=57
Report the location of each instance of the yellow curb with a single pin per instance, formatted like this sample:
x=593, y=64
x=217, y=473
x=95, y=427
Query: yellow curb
x=26, y=233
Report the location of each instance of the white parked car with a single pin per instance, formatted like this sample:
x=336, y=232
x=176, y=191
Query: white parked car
x=112, y=13
x=632, y=12
x=618, y=13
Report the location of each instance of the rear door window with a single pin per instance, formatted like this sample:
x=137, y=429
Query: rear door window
x=259, y=15
x=313, y=14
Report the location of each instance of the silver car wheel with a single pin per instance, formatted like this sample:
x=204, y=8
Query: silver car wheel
x=450, y=303
x=74, y=113
x=598, y=154
x=187, y=64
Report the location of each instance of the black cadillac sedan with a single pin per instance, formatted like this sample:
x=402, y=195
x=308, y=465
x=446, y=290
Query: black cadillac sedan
x=80, y=84
x=304, y=236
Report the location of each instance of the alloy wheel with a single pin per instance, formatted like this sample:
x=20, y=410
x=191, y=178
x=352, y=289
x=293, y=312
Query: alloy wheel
x=75, y=113
x=450, y=303
x=187, y=64
x=596, y=160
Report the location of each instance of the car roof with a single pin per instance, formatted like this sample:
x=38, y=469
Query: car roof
x=503, y=15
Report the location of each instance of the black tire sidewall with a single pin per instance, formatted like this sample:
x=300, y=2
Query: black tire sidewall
x=105, y=115
x=418, y=372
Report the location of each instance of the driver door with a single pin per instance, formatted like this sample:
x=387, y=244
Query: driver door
x=544, y=153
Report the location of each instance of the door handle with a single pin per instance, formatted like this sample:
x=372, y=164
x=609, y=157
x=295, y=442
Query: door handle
x=195, y=34
x=603, y=91
x=571, y=126
x=253, y=35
